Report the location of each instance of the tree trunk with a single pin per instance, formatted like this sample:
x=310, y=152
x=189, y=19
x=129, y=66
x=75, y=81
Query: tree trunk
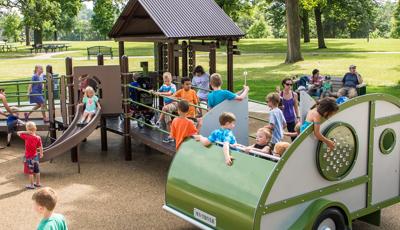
x=27, y=36
x=306, y=26
x=293, y=27
x=38, y=36
x=320, y=29
x=55, y=36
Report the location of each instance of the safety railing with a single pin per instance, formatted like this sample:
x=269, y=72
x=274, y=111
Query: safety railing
x=241, y=148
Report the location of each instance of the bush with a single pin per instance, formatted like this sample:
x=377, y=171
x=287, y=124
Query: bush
x=258, y=29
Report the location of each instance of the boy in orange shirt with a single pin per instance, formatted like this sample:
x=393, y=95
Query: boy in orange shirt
x=187, y=94
x=182, y=127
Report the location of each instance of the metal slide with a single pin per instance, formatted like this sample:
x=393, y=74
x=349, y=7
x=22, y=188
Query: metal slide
x=72, y=136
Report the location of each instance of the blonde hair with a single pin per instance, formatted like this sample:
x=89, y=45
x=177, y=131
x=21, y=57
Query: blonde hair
x=89, y=89
x=37, y=67
x=274, y=98
x=266, y=132
x=30, y=126
x=46, y=197
x=167, y=75
x=281, y=147
x=215, y=80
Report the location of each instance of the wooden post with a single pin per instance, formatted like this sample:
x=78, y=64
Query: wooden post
x=63, y=102
x=229, y=51
x=125, y=93
x=184, y=59
x=192, y=60
x=103, y=121
x=71, y=101
x=121, y=50
x=171, y=58
x=213, y=58
x=51, y=103
x=176, y=61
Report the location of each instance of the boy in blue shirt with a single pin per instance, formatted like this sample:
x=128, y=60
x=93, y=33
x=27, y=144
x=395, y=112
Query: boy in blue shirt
x=167, y=89
x=277, y=121
x=44, y=202
x=223, y=135
x=218, y=95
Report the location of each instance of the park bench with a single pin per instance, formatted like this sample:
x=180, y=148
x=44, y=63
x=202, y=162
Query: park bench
x=337, y=84
x=96, y=50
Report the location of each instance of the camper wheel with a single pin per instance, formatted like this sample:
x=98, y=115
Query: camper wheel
x=330, y=219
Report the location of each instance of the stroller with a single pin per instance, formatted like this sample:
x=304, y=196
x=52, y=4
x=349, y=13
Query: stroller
x=141, y=113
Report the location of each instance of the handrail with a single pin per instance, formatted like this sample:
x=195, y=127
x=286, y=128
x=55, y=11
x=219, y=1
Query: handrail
x=151, y=126
x=22, y=83
x=169, y=97
x=150, y=107
x=241, y=149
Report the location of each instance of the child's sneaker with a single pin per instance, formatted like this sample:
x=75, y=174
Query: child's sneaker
x=37, y=185
x=30, y=186
x=167, y=140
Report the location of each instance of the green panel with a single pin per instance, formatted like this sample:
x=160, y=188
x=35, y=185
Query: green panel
x=372, y=218
x=387, y=141
x=337, y=164
x=200, y=179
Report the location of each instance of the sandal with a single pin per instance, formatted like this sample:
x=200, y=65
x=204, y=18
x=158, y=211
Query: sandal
x=30, y=186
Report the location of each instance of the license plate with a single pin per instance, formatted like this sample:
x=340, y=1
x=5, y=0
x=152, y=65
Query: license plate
x=205, y=217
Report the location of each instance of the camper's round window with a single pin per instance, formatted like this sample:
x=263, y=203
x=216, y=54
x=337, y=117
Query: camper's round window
x=387, y=141
x=336, y=164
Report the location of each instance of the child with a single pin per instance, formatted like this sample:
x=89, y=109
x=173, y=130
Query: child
x=223, y=134
x=167, y=89
x=181, y=126
x=31, y=159
x=90, y=101
x=218, y=95
x=263, y=142
x=44, y=202
x=325, y=108
x=326, y=87
x=277, y=121
x=280, y=148
x=12, y=122
x=201, y=80
x=35, y=90
x=189, y=95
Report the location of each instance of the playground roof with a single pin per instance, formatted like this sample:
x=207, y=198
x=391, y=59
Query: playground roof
x=155, y=20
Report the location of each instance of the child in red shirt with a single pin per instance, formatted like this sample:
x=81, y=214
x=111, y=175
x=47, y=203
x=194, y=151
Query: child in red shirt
x=31, y=159
x=182, y=127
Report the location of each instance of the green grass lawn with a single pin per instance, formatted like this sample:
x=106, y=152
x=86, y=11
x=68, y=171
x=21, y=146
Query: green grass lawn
x=262, y=59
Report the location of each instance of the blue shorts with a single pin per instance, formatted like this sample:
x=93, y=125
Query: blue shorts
x=31, y=166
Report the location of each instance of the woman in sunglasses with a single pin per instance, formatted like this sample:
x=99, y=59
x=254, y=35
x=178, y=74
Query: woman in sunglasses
x=290, y=105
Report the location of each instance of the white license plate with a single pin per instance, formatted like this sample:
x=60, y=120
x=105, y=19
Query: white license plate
x=205, y=217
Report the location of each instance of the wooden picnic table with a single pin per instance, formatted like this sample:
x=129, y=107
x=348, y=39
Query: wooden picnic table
x=7, y=48
x=49, y=47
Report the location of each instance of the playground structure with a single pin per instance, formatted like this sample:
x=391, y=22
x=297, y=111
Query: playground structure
x=306, y=188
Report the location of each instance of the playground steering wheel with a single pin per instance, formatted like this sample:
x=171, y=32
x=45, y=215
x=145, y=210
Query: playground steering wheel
x=336, y=164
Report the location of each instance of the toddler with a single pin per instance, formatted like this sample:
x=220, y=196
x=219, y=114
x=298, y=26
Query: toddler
x=44, y=202
x=325, y=108
x=223, y=134
x=280, y=148
x=263, y=142
x=91, y=101
x=31, y=159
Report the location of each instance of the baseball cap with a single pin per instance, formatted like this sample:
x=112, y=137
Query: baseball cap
x=352, y=66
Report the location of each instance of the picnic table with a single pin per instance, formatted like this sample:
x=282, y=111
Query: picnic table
x=49, y=47
x=4, y=47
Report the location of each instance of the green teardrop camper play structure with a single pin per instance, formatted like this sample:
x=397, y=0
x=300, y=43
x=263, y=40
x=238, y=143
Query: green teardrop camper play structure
x=308, y=188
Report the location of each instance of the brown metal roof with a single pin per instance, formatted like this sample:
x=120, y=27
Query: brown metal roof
x=174, y=19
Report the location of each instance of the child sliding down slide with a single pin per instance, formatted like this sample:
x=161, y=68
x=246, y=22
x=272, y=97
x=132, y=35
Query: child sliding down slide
x=91, y=103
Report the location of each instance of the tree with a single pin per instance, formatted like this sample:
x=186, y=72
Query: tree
x=317, y=6
x=103, y=17
x=37, y=13
x=396, y=22
x=276, y=16
x=233, y=8
x=306, y=26
x=293, y=31
x=12, y=26
x=69, y=11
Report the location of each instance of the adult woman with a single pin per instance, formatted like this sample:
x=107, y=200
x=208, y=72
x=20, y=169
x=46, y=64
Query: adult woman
x=5, y=104
x=35, y=91
x=290, y=105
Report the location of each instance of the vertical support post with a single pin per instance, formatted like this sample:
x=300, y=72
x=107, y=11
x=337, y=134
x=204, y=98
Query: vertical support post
x=192, y=60
x=71, y=101
x=184, y=59
x=103, y=121
x=176, y=59
x=171, y=58
x=121, y=50
x=50, y=98
x=213, y=58
x=18, y=94
x=229, y=51
x=63, y=102
x=125, y=93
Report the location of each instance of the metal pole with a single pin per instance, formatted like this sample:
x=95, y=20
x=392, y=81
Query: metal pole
x=52, y=109
x=125, y=92
x=103, y=122
x=229, y=71
x=71, y=105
